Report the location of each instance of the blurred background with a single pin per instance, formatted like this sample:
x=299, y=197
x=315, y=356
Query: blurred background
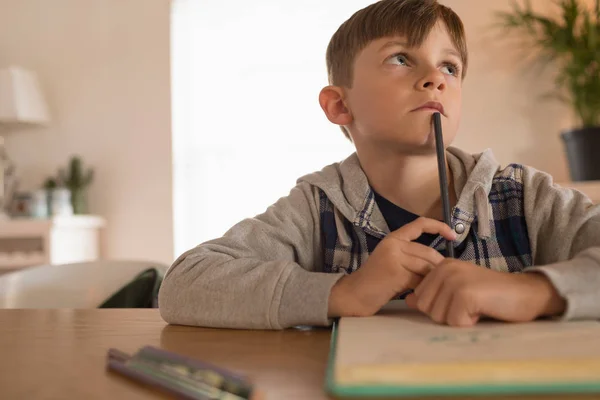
x=169, y=121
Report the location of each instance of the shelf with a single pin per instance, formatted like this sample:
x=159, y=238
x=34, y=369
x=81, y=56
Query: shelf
x=27, y=227
x=28, y=242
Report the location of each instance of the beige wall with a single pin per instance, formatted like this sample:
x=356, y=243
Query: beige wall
x=104, y=65
x=502, y=109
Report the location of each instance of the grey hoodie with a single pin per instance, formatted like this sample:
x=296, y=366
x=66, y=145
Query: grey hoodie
x=276, y=270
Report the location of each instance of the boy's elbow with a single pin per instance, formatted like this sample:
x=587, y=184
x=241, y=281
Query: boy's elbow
x=174, y=304
x=185, y=296
x=213, y=291
x=168, y=301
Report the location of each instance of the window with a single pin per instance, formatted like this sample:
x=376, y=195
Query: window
x=246, y=120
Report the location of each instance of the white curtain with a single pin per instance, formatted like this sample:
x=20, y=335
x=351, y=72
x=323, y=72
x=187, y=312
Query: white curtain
x=246, y=119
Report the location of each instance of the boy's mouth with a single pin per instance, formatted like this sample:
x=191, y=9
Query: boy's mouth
x=432, y=106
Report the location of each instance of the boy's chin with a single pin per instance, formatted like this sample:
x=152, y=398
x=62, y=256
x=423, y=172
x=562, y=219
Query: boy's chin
x=422, y=141
x=415, y=142
x=411, y=148
x=421, y=145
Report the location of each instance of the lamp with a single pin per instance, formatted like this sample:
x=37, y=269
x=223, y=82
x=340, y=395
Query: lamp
x=21, y=100
x=21, y=104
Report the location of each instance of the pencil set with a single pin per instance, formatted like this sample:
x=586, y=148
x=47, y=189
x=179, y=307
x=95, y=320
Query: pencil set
x=184, y=377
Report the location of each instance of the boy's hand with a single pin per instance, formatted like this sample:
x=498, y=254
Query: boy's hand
x=459, y=293
x=397, y=264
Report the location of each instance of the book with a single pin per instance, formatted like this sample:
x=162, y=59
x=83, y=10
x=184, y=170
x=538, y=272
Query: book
x=401, y=352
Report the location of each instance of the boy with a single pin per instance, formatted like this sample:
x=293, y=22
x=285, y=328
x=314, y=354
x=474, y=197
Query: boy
x=351, y=237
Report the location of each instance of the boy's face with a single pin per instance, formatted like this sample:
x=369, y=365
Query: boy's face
x=392, y=87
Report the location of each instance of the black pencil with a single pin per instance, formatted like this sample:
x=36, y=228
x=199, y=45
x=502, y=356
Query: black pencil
x=441, y=158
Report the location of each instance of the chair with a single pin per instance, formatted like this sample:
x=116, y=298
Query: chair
x=97, y=284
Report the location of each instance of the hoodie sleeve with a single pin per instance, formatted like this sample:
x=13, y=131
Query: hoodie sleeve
x=564, y=232
x=262, y=274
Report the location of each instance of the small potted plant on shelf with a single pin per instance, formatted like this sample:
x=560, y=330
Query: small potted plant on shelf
x=572, y=43
x=77, y=181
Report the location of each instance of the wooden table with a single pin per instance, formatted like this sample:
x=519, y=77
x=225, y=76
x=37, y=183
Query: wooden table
x=60, y=354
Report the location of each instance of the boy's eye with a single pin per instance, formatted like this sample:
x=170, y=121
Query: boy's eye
x=398, y=59
x=450, y=69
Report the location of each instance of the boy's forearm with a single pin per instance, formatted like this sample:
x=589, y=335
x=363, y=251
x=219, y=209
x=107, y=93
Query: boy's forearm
x=564, y=234
x=355, y=296
x=577, y=281
x=547, y=302
x=335, y=304
x=342, y=299
x=220, y=292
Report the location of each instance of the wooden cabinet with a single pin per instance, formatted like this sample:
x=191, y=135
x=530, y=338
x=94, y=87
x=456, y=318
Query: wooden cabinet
x=58, y=240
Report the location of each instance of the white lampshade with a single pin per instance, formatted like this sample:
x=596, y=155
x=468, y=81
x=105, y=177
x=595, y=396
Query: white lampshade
x=21, y=99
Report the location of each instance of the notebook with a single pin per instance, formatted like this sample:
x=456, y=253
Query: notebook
x=400, y=352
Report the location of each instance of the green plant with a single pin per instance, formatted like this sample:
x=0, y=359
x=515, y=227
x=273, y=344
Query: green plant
x=77, y=180
x=572, y=41
x=50, y=184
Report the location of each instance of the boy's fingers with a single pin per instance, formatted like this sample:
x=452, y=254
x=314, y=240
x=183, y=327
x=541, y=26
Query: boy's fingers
x=458, y=314
x=416, y=266
x=409, y=279
x=412, y=231
x=427, y=291
x=441, y=304
x=431, y=256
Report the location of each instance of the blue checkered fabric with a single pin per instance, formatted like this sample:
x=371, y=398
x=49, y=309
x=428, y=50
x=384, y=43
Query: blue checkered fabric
x=506, y=248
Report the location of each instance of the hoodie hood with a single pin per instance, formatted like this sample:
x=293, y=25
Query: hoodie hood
x=347, y=187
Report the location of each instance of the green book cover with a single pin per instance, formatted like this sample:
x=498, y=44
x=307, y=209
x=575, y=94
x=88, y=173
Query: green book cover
x=402, y=353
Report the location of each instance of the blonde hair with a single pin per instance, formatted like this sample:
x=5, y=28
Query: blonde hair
x=413, y=19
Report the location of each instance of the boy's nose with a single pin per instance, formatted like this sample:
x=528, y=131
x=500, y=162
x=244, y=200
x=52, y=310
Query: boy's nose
x=432, y=81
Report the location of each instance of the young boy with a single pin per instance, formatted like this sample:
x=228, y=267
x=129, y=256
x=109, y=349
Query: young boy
x=351, y=237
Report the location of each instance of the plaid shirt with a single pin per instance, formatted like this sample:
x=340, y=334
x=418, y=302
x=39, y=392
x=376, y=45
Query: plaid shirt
x=502, y=244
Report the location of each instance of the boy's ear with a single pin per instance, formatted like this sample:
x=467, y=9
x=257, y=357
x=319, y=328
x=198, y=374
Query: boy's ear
x=332, y=102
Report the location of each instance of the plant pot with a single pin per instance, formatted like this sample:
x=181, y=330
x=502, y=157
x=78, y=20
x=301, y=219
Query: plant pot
x=79, y=201
x=583, y=153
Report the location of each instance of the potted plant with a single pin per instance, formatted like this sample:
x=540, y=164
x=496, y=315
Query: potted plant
x=572, y=42
x=77, y=181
